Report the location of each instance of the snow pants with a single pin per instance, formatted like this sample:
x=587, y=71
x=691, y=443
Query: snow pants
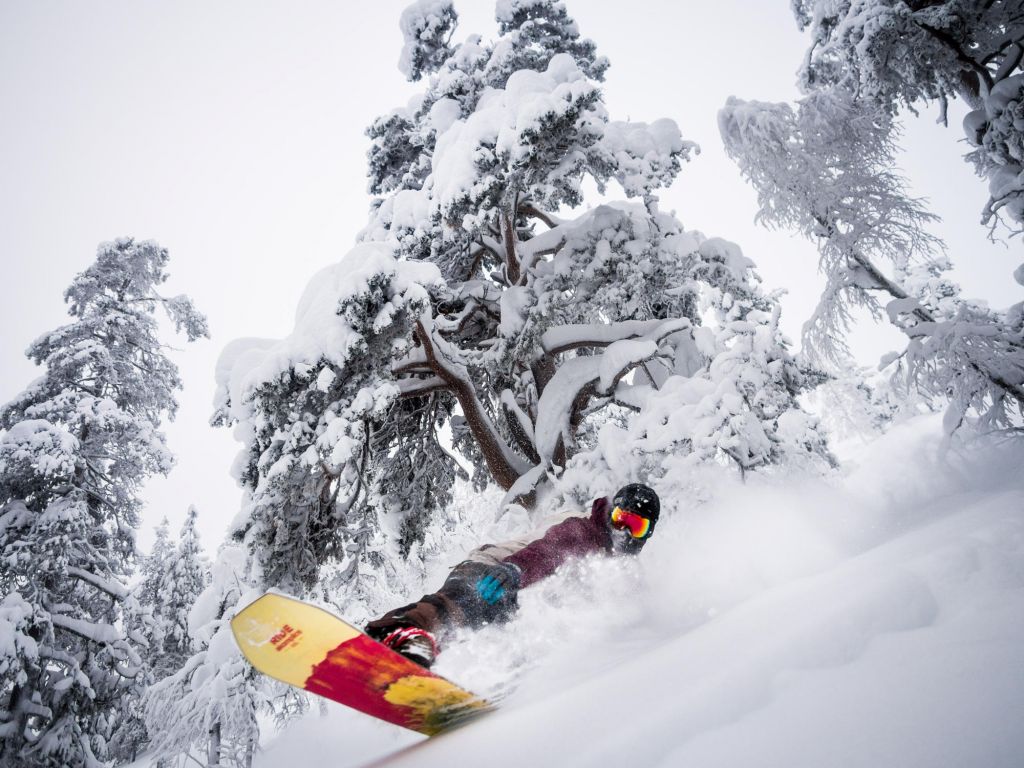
x=455, y=604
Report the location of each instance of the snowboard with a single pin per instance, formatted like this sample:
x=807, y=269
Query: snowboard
x=312, y=649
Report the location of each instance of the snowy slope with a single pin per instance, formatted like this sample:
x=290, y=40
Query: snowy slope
x=872, y=622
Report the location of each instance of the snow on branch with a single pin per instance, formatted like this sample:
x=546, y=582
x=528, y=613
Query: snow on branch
x=567, y=337
x=580, y=378
x=560, y=400
x=112, y=588
x=508, y=400
x=414, y=362
x=427, y=26
x=519, y=425
x=103, y=634
x=646, y=156
x=421, y=387
x=621, y=357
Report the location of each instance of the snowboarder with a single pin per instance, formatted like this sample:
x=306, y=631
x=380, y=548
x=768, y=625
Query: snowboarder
x=484, y=587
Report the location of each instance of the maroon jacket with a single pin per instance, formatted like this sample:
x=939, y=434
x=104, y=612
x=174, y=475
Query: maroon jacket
x=574, y=537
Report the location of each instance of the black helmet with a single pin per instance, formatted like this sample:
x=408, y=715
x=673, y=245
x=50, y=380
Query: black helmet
x=639, y=498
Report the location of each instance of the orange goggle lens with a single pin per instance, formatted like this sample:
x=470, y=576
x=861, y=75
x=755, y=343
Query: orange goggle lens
x=637, y=526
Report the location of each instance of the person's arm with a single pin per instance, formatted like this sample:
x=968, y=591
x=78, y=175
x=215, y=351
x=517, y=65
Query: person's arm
x=542, y=557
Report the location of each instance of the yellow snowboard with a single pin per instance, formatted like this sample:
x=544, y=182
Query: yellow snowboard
x=312, y=649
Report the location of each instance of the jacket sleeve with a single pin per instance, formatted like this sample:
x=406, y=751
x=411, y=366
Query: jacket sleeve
x=541, y=558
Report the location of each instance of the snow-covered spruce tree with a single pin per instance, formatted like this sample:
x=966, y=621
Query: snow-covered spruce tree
x=889, y=54
x=742, y=405
x=732, y=403
x=151, y=572
x=185, y=577
x=152, y=568
x=483, y=298
x=895, y=53
x=77, y=445
x=208, y=706
x=827, y=169
x=172, y=578
x=129, y=736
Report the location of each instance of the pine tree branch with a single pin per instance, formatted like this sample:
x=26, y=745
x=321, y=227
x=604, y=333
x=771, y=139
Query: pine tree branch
x=414, y=362
x=505, y=467
x=983, y=74
x=579, y=403
x=509, y=236
x=114, y=590
x=585, y=375
x=534, y=256
x=410, y=388
x=477, y=257
x=922, y=314
x=520, y=426
x=492, y=246
x=543, y=369
x=102, y=634
x=565, y=338
x=459, y=322
x=530, y=210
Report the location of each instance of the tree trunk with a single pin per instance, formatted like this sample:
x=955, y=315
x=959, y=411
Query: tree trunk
x=213, y=756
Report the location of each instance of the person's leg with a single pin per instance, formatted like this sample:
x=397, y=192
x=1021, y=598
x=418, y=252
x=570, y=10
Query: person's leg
x=413, y=629
x=464, y=602
x=455, y=604
x=429, y=613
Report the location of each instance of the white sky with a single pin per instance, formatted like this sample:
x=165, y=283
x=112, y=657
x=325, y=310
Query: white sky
x=232, y=133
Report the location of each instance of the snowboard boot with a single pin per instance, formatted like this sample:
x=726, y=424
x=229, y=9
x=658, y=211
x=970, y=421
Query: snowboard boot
x=414, y=643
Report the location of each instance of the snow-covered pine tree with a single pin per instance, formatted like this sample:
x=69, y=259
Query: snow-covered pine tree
x=172, y=578
x=888, y=54
x=151, y=571
x=185, y=577
x=734, y=403
x=483, y=299
x=129, y=734
x=153, y=566
x=742, y=406
x=77, y=445
x=894, y=53
x=209, y=705
x=827, y=169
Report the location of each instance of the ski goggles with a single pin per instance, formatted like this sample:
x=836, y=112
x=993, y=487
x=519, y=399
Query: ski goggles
x=637, y=525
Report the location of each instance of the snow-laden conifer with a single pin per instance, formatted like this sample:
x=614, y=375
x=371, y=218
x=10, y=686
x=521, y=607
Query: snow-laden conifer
x=888, y=54
x=827, y=169
x=859, y=403
x=208, y=707
x=153, y=566
x=129, y=735
x=893, y=54
x=184, y=578
x=151, y=571
x=77, y=446
x=172, y=577
x=487, y=313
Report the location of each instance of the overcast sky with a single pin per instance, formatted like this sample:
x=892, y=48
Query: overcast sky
x=232, y=133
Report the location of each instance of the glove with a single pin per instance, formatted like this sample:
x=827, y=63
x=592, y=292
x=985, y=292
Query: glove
x=499, y=581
